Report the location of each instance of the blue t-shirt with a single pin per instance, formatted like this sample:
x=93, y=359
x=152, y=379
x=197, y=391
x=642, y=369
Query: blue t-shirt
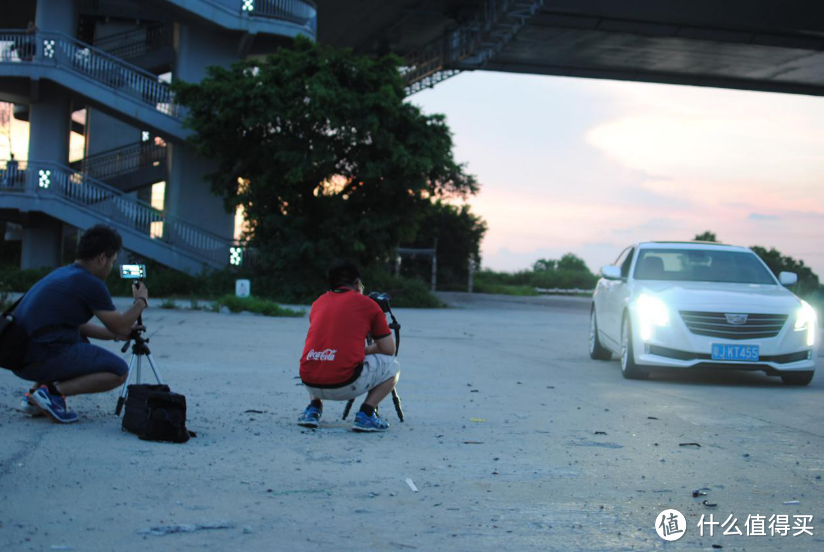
x=65, y=298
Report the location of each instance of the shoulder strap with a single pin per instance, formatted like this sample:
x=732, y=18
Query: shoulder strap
x=14, y=305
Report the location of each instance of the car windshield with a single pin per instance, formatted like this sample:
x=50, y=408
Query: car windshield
x=701, y=265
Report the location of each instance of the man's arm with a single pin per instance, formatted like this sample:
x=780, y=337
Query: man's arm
x=382, y=346
x=120, y=324
x=96, y=332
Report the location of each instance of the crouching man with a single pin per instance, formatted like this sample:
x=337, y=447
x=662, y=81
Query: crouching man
x=55, y=315
x=336, y=364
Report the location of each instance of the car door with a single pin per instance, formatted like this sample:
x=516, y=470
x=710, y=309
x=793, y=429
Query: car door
x=607, y=316
x=622, y=292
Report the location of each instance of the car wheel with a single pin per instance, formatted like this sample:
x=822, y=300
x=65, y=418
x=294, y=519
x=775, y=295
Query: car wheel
x=798, y=378
x=630, y=369
x=597, y=352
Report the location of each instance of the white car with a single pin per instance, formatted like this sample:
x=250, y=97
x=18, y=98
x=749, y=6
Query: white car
x=698, y=304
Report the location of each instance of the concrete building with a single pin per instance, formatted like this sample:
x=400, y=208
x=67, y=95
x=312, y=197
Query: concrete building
x=100, y=70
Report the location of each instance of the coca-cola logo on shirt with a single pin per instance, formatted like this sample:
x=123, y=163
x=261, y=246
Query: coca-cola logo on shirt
x=328, y=354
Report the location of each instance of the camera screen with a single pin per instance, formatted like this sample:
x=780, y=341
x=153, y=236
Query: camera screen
x=133, y=272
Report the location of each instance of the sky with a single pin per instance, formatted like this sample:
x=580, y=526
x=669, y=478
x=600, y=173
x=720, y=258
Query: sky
x=590, y=166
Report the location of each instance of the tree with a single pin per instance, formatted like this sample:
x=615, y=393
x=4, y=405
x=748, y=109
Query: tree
x=707, y=236
x=808, y=282
x=323, y=153
x=459, y=233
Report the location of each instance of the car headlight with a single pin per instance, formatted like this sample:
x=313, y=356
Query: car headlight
x=806, y=321
x=652, y=312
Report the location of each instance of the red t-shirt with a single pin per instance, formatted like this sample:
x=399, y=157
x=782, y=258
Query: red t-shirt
x=339, y=322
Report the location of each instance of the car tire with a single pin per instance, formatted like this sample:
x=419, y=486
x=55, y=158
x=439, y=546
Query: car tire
x=798, y=378
x=597, y=352
x=630, y=370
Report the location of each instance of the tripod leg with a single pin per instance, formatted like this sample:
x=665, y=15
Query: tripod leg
x=347, y=408
x=137, y=372
x=125, y=388
x=396, y=400
x=154, y=368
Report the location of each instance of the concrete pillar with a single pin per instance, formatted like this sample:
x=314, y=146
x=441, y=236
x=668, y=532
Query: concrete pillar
x=42, y=242
x=49, y=129
x=188, y=196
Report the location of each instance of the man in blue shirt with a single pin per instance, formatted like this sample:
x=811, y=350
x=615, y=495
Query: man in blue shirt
x=55, y=314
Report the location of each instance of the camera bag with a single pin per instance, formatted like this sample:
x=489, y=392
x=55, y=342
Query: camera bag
x=154, y=413
x=13, y=340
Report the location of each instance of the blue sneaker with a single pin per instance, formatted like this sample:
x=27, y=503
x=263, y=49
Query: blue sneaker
x=369, y=423
x=53, y=405
x=28, y=408
x=310, y=417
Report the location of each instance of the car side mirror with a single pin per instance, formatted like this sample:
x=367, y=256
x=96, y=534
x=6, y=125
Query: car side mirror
x=788, y=278
x=612, y=272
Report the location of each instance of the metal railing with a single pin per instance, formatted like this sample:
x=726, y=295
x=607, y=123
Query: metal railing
x=562, y=291
x=113, y=207
x=60, y=50
x=302, y=12
x=136, y=42
x=472, y=44
x=120, y=161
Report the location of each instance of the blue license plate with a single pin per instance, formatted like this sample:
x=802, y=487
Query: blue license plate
x=747, y=353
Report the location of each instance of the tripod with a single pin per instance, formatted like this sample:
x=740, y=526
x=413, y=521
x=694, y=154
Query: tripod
x=396, y=400
x=139, y=350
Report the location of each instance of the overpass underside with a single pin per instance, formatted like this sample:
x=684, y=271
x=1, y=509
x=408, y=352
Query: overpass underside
x=771, y=46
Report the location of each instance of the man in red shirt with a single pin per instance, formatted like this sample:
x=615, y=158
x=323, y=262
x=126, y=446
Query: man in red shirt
x=336, y=365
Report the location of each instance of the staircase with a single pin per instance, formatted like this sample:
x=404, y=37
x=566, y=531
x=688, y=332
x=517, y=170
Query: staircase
x=148, y=46
x=83, y=201
x=282, y=17
x=127, y=168
x=107, y=82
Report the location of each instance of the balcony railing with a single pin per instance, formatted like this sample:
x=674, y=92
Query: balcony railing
x=120, y=161
x=49, y=180
x=60, y=50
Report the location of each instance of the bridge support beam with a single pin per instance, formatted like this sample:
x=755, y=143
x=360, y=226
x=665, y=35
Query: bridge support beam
x=42, y=242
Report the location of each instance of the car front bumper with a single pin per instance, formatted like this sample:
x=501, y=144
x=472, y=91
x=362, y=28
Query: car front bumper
x=674, y=346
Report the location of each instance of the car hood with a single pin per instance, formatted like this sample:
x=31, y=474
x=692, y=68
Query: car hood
x=723, y=297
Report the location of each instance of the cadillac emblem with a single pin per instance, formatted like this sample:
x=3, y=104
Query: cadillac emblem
x=736, y=319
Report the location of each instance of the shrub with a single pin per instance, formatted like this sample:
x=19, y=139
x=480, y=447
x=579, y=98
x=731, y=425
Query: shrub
x=254, y=304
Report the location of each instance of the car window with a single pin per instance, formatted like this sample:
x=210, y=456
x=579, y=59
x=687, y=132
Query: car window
x=627, y=262
x=702, y=265
x=620, y=259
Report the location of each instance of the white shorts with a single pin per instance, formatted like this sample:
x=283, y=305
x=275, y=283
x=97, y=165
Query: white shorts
x=377, y=369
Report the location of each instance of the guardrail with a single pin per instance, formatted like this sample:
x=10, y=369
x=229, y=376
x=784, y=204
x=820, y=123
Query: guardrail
x=559, y=291
x=45, y=180
x=54, y=49
x=136, y=42
x=116, y=162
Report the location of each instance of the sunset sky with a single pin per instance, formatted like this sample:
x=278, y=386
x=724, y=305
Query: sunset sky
x=590, y=166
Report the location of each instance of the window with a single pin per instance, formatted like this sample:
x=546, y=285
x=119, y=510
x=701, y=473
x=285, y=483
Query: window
x=702, y=265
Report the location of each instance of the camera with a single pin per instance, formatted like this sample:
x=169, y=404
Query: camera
x=383, y=300
x=133, y=272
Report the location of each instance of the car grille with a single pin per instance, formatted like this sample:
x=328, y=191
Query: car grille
x=714, y=324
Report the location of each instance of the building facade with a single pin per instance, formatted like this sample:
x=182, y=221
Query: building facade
x=106, y=139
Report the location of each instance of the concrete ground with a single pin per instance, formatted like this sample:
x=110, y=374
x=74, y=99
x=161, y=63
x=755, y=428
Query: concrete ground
x=514, y=439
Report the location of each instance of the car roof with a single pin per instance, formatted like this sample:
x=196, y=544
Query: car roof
x=690, y=245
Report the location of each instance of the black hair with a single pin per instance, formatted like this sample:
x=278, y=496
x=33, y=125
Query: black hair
x=344, y=273
x=96, y=240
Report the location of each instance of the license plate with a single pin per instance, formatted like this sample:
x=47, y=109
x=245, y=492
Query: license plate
x=747, y=353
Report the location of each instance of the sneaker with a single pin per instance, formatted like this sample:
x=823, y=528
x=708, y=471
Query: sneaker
x=28, y=408
x=369, y=423
x=53, y=405
x=310, y=417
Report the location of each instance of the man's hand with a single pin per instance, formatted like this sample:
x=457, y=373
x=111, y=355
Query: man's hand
x=140, y=292
x=136, y=328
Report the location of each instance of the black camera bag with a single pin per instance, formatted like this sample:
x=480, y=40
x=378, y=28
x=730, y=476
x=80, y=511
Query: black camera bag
x=13, y=340
x=154, y=413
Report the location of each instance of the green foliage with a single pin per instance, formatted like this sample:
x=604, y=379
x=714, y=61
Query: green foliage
x=707, y=236
x=459, y=233
x=566, y=273
x=168, y=304
x=254, y=304
x=405, y=292
x=326, y=158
